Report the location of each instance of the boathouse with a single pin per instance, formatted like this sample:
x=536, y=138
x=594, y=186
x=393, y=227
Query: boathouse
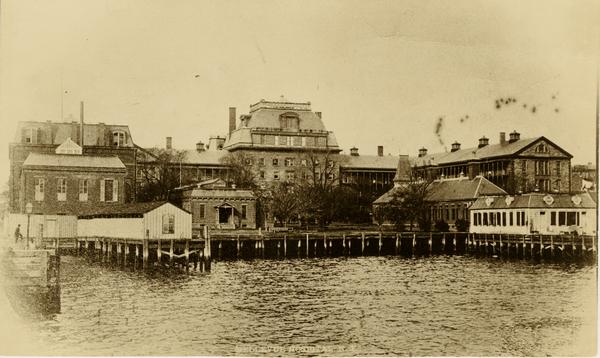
x=534, y=213
x=217, y=206
x=153, y=220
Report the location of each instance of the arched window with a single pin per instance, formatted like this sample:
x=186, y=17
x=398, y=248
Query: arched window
x=119, y=138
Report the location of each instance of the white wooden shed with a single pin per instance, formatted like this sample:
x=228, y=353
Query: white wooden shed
x=153, y=220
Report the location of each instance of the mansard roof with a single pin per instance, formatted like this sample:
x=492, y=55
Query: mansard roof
x=95, y=134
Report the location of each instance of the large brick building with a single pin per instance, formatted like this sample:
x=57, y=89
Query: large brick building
x=68, y=183
x=516, y=165
x=98, y=140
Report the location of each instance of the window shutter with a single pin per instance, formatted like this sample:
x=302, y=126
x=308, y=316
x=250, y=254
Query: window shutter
x=101, y=189
x=115, y=190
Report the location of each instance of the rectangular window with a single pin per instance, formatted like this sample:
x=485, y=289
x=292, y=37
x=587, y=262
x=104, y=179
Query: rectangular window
x=61, y=189
x=40, y=184
x=553, y=218
x=523, y=222
x=197, y=212
x=518, y=218
x=275, y=162
x=510, y=218
x=310, y=141
x=261, y=161
x=498, y=219
x=109, y=190
x=83, y=189
x=503, y=219
x=562, y=218
x=275, y=175
x=290, y=176
x=168, y=224
x=485, y=219
x=269, y=139
x=297, y=141
x=283, y=140
x=571, y=218
x=262, y=174
x=289, y=162
x=244, y=211
x=118, y=139
x=558, y=168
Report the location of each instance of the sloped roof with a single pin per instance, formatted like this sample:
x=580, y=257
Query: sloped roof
x=224, y=193
x=461, y=189
x=131, y=209
x=535, y=200
x=369, y=161
x=206, y=157
x=73, y=160
x=475, y=153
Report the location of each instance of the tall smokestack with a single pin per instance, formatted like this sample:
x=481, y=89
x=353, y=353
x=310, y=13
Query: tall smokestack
x=81, y=124
x=169, y=142
x=380, y=150
x=231, y=119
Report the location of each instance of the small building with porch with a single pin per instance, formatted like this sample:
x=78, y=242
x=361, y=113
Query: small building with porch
x=217, y=206
x=534, y=213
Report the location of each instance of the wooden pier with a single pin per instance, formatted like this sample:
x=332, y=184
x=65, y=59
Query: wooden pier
x=186, y=254
x=290, y=245
x=31, y=279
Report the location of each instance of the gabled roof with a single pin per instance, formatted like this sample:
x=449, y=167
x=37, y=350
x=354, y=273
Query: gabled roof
x=536, y=200
x=488, y=152
x=68, y=160
x=461, y=189
x=131, y=209
x=368, y=162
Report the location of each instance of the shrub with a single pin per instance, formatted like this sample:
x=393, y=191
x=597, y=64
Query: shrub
x=442, y=226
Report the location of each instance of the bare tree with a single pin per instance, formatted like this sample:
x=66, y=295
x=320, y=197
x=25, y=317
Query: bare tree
x=241, y=172
x=159, y=172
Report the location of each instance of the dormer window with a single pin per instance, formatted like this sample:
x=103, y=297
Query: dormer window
x=30, y=135
x=289, y=121
x=542, y=148
x=119, y=138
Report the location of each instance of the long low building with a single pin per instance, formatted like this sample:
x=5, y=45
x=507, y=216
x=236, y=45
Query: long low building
x=534, y=213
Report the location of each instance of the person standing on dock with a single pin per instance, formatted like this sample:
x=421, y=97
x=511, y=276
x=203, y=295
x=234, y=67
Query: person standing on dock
x=18, y=234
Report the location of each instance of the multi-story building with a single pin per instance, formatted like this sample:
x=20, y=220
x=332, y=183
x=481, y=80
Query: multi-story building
x=98, y=139
x=280, y=139
x=516, y=165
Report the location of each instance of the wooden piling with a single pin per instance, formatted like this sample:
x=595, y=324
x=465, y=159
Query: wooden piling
x=396, y=247
x=414, y=244
x=344, y=245
x=136, y=257
x=171, y=253
x=284, y=245
x=237, y=246
x=145, y=254
x=444, y=243
x=159, y=251
x=380, y=243
x=307, y=248
x=126, y=254
x=454, y=244
x=362, y=243
x=430, y=244
x=551, y=246
x=118, y=253
x=187, y=255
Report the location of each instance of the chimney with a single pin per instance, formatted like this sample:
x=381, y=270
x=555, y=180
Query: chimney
x=231, y=119
x=455, y=147
x=483, y=141
x=81, y=124
x=354, y=152
x=514, y=136
x=422, y=152
x=169, y=143
x=318, y=114
x=200, y=147
x=380, y=150
x=502, y=138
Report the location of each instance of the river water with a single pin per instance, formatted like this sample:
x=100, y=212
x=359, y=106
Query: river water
x=444, y=305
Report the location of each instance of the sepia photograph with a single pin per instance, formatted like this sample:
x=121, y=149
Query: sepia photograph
x=287, y=178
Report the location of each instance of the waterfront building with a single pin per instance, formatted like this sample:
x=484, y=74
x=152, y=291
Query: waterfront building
x=216, y=205
x=448, y=200
x=142, y=221
x=534, y=213
x=516, y=165
x=369, y=174
x=67, y=181
x=95, y=140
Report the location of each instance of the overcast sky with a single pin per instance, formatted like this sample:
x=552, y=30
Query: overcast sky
x=382, y=72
